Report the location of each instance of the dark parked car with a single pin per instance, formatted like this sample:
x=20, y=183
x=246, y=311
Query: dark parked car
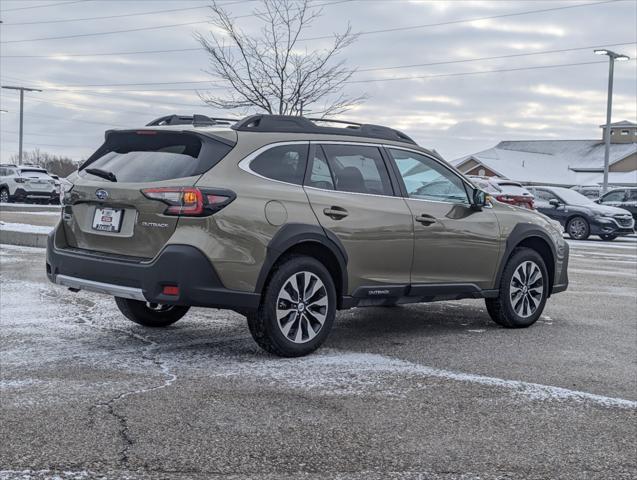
x=625, y=198
x=580, y=216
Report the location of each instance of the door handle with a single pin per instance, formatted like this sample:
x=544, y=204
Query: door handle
x=335, y=213
x=426, y=220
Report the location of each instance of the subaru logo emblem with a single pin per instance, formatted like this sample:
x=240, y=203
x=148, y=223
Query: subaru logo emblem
x=101, y=194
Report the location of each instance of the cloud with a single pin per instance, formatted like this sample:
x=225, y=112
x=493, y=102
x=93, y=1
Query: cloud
x=454, y=115
x=498, y=25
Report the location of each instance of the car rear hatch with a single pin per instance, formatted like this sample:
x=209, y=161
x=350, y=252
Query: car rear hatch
x=130, y=194
x=37, y=181
x=515, y=194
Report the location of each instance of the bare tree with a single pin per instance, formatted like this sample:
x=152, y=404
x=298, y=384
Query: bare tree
x=272, y=71
x=55, y=164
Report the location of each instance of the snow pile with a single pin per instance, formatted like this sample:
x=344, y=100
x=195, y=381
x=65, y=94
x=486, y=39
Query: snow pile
x=25, y=227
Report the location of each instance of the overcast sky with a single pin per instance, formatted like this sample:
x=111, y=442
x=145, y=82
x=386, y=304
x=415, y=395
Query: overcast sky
x=455, y=113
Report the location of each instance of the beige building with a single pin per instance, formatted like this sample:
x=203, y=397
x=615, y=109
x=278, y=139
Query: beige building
x=560, y=162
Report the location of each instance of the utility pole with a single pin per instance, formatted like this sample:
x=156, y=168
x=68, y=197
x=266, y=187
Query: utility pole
x=612, y=56
x=22, y=90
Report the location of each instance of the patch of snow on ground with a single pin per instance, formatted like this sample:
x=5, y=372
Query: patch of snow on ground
x=88, y=328
x=334, y=372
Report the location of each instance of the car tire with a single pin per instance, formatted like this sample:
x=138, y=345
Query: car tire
x=4, y=196
x=150, y=314
x=523, y=280
x=578, y=228
x=608, y=237
x=286, y=327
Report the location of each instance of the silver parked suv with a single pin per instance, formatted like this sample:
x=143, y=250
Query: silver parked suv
x=287, y=221
x=27, y=183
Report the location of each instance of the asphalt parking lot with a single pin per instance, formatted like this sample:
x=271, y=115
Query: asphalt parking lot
x=432, y=391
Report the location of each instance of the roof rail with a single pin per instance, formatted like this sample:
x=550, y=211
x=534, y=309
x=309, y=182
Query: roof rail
x=196, y=120
x=294, y=124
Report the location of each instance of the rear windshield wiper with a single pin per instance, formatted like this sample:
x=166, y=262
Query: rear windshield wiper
x=101, y=173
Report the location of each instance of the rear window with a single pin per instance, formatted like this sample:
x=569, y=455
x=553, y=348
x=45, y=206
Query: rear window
x=513, y=189
x=142, y=157
x=486, y=185
x=34, y=174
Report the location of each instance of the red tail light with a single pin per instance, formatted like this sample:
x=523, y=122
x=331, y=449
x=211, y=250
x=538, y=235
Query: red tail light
x=505, y=199
x=190, y=201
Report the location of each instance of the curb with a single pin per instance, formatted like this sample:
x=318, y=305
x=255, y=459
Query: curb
x=24, y=239
x=17, y=207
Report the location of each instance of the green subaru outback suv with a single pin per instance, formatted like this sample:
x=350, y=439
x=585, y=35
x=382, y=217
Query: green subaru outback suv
x=287, y=220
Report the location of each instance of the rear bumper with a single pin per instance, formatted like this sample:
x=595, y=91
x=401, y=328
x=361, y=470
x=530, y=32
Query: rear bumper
x=22, y=194
x=177, y=265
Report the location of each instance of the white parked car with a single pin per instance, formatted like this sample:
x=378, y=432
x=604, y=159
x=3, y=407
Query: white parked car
x=27, y=183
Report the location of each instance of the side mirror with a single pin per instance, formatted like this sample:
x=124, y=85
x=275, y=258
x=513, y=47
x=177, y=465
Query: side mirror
x=555, y=202
x=480, y=199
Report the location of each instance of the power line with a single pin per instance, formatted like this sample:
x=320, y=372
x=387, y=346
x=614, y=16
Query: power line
x=369, y=32
x=58, y=118
x=512, y=55
x=453, y=22
x=371, y=69
x=49, y=145
x=378, y=80
x=84, y=106
x=43, y=6
x=139, y=14
x=461, y=74
x=153, y=12
x=156, y=27
x=27, y=134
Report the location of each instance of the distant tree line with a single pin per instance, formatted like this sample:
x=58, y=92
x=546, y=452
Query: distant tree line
x=55, y=164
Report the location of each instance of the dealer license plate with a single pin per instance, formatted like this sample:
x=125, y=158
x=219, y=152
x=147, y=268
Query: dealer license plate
x=108, y=219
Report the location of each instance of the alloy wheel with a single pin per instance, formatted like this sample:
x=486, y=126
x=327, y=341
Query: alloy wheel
x=4, y=196
x=577, y=228
x=301, y=307
x=526, y=288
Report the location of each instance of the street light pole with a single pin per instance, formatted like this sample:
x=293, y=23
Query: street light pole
x=22, y=90
x=612, y=56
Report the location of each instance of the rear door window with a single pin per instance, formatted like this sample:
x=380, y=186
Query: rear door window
x=358, y=169
x=285, y=163
x=137, y=157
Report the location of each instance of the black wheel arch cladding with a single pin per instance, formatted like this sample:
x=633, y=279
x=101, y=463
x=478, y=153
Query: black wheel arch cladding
x=295, y=234
x=520, y=234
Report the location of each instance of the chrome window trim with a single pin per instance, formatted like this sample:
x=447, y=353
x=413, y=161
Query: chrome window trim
x=399, y=197
x=244, y=164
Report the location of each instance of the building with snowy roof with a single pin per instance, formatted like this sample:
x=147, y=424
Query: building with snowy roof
x=560, y=162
